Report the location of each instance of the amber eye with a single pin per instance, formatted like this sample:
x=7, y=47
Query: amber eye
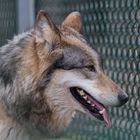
x=91, y=68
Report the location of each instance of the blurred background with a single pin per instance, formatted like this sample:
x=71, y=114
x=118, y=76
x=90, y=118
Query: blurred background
x=111, y=26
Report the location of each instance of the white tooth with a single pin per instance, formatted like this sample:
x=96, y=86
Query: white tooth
x=101, y=112
x=82, y=93
x=89, y=101
x=85, y=97
x=93, y=105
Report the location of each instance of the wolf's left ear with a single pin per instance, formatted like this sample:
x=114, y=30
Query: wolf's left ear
x=73, y=20
x=44, y=27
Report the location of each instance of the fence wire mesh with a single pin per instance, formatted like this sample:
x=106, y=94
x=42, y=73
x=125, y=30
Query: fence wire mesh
x=55, y=8
x=113, y=27
x=7, y=20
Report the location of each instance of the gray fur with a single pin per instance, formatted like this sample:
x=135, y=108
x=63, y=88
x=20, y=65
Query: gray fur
x=73, y=58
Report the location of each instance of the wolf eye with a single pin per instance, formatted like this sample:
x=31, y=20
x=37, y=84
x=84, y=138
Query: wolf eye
x=91, y=68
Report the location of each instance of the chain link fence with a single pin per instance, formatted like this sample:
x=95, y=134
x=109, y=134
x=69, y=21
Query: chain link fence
x=113, y=27
x=55, y=8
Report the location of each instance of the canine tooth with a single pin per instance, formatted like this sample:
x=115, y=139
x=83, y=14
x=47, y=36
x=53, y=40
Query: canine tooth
x=101, y=112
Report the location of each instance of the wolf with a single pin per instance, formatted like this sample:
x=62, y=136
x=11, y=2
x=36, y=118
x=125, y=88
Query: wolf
x=49, y=73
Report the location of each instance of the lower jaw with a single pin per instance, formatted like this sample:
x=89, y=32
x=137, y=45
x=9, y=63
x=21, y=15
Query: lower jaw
x=95, y=110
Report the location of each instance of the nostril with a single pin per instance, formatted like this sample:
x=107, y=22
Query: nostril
x=123, y=98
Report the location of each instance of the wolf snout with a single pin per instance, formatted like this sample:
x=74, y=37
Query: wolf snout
x=123, y=97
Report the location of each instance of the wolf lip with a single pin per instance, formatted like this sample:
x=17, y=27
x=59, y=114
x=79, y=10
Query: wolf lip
x=97, y=109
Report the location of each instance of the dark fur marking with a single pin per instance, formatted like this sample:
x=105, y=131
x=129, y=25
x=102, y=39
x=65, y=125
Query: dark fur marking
x=73, y=58
x=7, y=70
x=9, y=58
x=6, y=77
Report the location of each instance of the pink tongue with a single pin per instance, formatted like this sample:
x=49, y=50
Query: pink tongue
x=105, y=114
x=106, y=119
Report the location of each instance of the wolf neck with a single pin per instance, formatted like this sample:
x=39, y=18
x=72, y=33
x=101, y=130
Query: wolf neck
x=11, y=130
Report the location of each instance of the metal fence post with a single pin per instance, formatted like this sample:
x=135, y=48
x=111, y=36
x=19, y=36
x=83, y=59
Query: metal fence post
x=26, y=14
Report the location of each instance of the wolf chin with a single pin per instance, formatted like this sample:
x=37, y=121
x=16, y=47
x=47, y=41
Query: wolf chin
x=46, y=75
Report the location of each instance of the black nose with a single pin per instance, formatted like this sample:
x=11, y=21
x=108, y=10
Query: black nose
x=123, y=98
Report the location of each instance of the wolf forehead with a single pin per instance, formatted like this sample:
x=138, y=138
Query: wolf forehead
x=77, y=52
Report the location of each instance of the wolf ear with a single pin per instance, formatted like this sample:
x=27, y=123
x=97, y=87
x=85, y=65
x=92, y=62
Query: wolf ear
x=73, y=20
x=44, y=27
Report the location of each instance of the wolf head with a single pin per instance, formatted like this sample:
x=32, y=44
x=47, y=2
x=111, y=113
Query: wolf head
x=57, y=74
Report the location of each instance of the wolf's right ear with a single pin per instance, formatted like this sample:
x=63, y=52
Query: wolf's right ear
x=45, y=28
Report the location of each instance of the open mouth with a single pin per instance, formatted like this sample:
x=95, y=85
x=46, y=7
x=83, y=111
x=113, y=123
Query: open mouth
x=95, y=108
